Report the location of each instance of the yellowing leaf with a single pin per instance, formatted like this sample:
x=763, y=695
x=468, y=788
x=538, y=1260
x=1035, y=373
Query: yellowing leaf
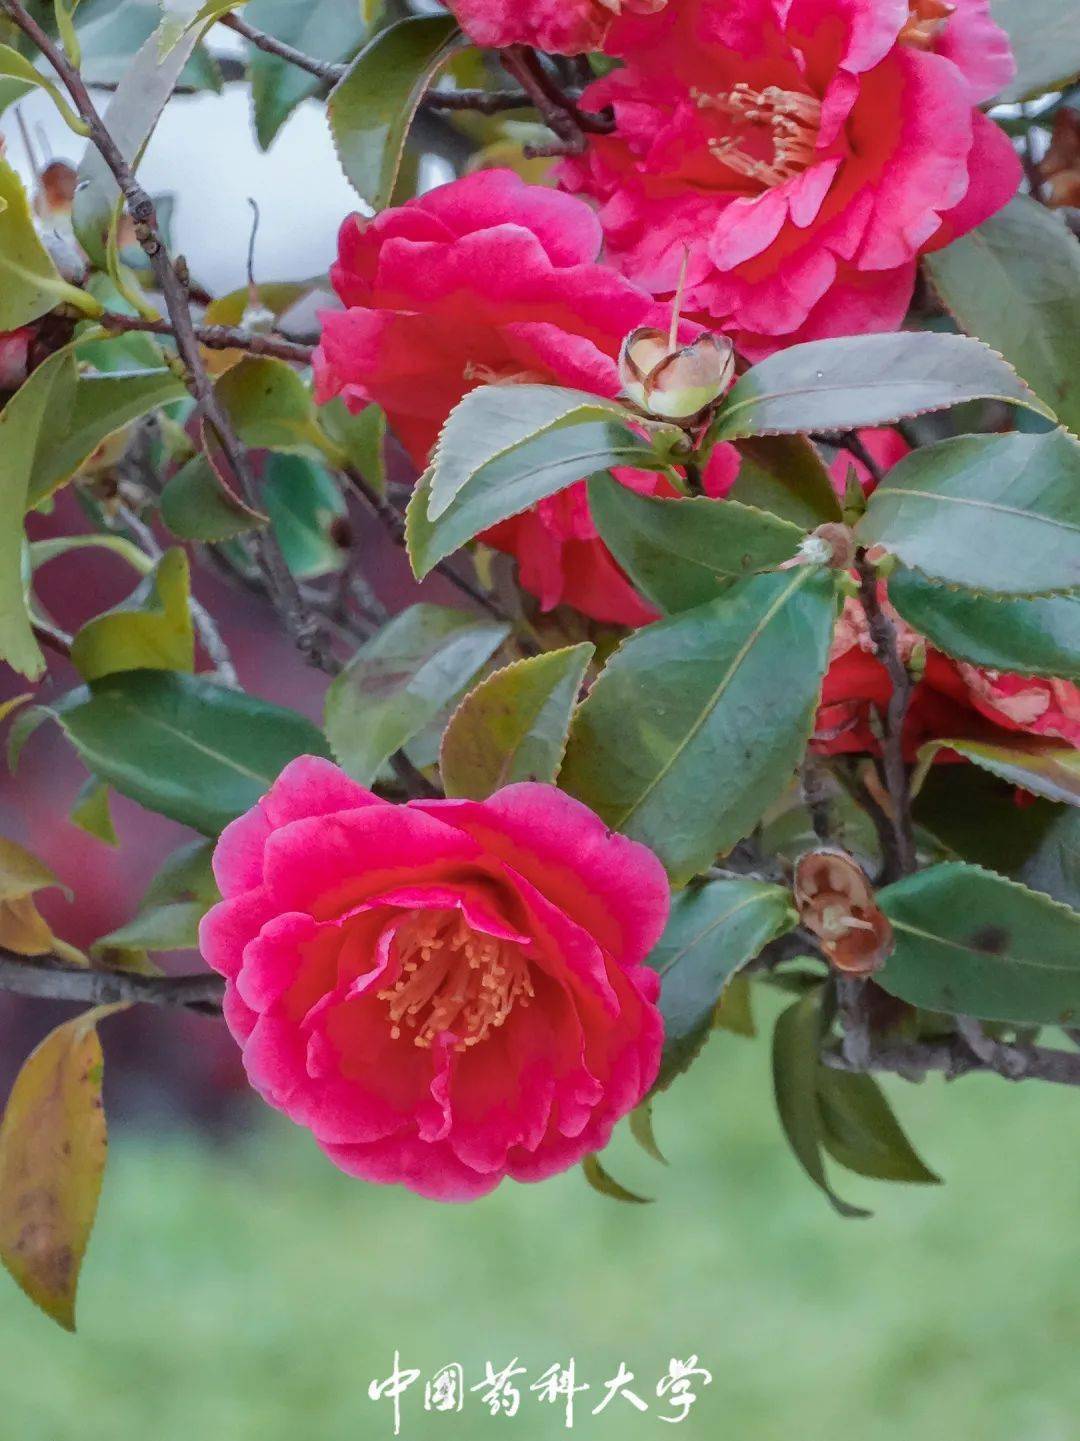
x=22, y=930
x=151, y=630
x=52, y=1156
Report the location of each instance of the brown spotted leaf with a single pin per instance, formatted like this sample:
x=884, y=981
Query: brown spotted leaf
x=52, y=1157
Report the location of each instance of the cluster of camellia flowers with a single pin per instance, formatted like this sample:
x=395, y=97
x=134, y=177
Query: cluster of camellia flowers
x=452, y=992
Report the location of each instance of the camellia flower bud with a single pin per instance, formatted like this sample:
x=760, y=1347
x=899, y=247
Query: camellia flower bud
x=677, y=383
x=836, y=902
x=15, y=357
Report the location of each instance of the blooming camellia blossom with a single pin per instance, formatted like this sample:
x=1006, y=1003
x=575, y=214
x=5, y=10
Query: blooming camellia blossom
x=805, y=152
x=446, y=992
x=486, y=280
x=561, y=27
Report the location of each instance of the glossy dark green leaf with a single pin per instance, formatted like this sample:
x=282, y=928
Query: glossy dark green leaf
x=681, y=553
x=969, y=942
x=714, y=929
x=1046, y=44
x=101, y=406
x=1040, y=636
x=197, y=752
x=1015, y=283
x=860, y=1131
x=151, y=630
x=1046, y=768
x=785, y=474
x=517, y=479
x=372, y=106
x=796, y=1048
x=196, y=506
x=326, y=29
x=401, y=679
x=513, y=726
x=697, y=723
x=186, y=875
x=304, y=503
x=837, y=385
x=992, y=513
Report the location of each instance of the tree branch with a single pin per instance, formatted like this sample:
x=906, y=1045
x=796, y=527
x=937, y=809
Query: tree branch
x=48, y=978
x=271, y=45
x=299, y=623
x=214, y=337
x=955, y=1058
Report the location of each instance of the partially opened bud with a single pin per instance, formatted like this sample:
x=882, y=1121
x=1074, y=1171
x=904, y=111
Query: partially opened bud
x=837, y=903
x=675, y=384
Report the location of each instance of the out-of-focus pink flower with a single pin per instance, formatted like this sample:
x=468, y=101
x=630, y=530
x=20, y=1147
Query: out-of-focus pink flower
x=561, y=27
x=15, y=357
x=446, y=992
x=804, y=152
x=489, y=280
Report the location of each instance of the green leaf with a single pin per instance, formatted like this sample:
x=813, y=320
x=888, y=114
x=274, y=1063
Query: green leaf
x=1043, y=34
x=196, y=506
x=199, y=753
x=151, y=630
x=101, y=406
x=993, y=513
x=601, y=1181
x=91, y=812
x=785, y=474
x=1044, y=767
x=30, y=284
x=1015, y=283
x=861, y=1133
x=111, y=34
x=641, y=1128
x=713, y=931
x=513, y=726
x=131, y=117
x=326, y=29
x=401, y=679
x=1028, y=637
x=796, y=1047
x=972, y=943
x=697, y=723
x=361, y=438
x=269, y=405
x=170, y=927
x=303, y=502
x=372, y=106
x=517, y=479
x=681, y=553
x=52, y=1158
x=838, y=385
x=17, y=70
x=186, y=875
x=21, y=424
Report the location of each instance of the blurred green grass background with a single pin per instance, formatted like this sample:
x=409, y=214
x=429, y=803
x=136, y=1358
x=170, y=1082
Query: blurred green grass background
x=248, y=1292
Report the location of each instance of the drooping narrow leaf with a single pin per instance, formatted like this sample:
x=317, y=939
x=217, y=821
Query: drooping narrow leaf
x=1015, y=283
x=796, y=1046
x=22, y=875
x=513, y=726
x=1040, y=636
x=372, y=106
x=681, y=553
x=401, y=679
x=714, y=929
x=837, y=385
x=993, y=513
x=970, y=942
x=860, y=1131
x=151, y=630
x=52, y=1157
x=697, y=723
x=178, y=744
x=600, y=1180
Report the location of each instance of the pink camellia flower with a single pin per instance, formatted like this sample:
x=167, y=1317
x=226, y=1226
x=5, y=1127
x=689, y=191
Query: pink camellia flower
x=804, y=152
x=561, y=27
x=445, y=993
x=489, y=280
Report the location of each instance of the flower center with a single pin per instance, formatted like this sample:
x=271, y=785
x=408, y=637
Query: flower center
x=453, y=979
x=481, y=374
x=926, y=20
x=787, y=120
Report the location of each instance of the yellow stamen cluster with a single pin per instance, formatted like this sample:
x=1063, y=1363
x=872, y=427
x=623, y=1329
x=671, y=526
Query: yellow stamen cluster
x=927, y=19
x=453, y=979
x=792, y=119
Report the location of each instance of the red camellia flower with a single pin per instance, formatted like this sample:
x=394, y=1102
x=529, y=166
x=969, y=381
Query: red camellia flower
x=804, y=153
x=561, y=27
x=445, y=992
x=486, y=280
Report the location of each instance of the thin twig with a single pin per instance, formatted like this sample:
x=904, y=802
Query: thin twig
x=271, y=45
x=955, y=1058
x=48, y=978
x=214, y=337
x=299, y=623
